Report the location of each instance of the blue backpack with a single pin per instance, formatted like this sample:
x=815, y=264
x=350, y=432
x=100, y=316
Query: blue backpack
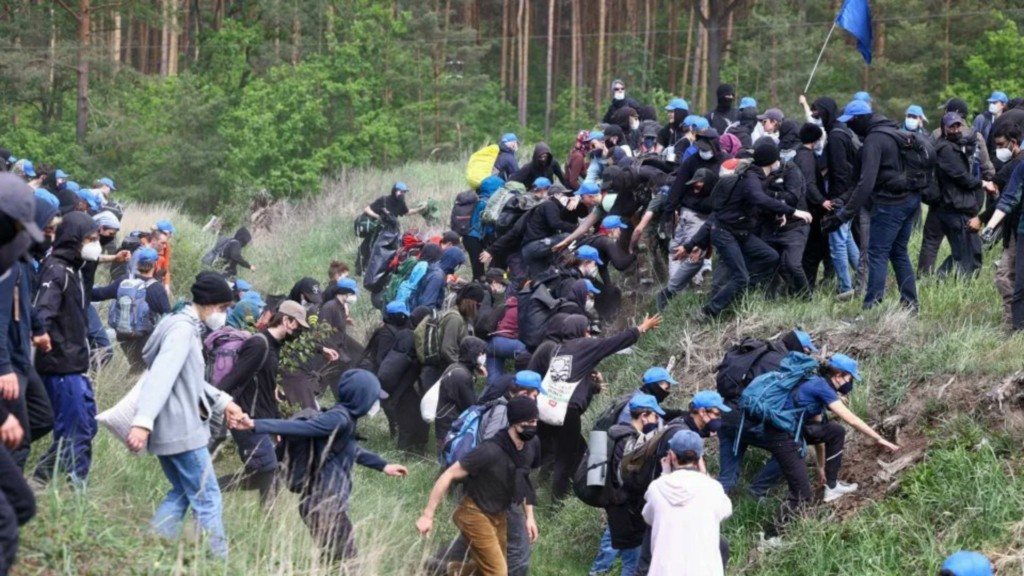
x=768, y=397
x=465, y=434
x=130, y=316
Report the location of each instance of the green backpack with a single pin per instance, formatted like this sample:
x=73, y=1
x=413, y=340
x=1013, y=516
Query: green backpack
x=401, y=274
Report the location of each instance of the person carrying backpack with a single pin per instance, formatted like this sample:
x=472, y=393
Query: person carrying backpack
x=385, y=210
x=549, y=222
x=399, y=372
x=231, y=257
x=323, y=504
x=427, y=287
x=457, y=390
x=139, y=303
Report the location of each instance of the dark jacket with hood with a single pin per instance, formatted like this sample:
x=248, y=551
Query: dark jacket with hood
x=787, y=185
x=253, y=379
x=16, y=319
x=457, y=391
x=879, y=165
x=617, y=105
x=959, y=190
x=381, y=342
x=839, y=153
x=430, y=290
x=505, y=164
x=681, y=195
x=232, y=255
x=60, y=303
x=747, y=202
x=631, y=137
x=743, y=128
x=807, y=162
x=550, y=218
x=673, y=131
x=723, y=114
x=357, y=391
x=540, y=166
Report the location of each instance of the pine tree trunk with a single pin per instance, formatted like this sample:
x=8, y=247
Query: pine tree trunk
x=524, y=59
x=296, y=34
x=602, y=18
x=115, y=41
x=689, y=56
x=172, y=41
x=549, y=81
x=574, y=50
x=84, y=38
x=164, y=34
x=504, y=48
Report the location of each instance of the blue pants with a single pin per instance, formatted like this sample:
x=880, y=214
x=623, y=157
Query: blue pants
x=99, y=340
x=891, y=226
x=500, y=349
x=606, y=556
x=844, y=255
x=731, y=464
x=193, y=485
x=74, y=426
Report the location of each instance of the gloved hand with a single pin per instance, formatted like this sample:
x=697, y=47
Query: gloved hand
x=988, y=236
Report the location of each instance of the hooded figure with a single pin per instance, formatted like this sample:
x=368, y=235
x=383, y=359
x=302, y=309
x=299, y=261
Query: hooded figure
x=506, y=164
x=543, y=165
x=457, y=391
x=45, y=212
x=232, y=255
x=619, y=100
x=629, y=121
x=429, y=291
x=723, y=114
x=840, y=152
x=743, y=128
x=451, y=259
x=324, y=501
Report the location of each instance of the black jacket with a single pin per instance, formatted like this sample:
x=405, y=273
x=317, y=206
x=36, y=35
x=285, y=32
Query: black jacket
x=959, y=190
x=585, y=354
x=879, y=165
x=840, y=156
x=681, y=195
x=616, y=105
x=458, y=391
x=625, y=515
x=253, y=379
x=787, y=185
x=61, y=301
x=807, y=162
x=538, y=167
x=16, y=320
x=400, y=368
x=550, y=218
x=742, y=211
x=232, y=255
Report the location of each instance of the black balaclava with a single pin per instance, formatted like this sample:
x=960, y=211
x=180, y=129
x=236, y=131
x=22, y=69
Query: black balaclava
x=860, y=124
x=243, y=236
x=724, y=101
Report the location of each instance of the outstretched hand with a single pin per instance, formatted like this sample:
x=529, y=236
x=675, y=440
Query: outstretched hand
x=650, y=322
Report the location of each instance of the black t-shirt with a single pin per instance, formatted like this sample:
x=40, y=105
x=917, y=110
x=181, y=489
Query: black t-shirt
x=491, y=481
x=391, y=205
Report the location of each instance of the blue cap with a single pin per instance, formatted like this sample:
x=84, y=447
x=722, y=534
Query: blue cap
x=242, y=285
x=45, y=195
x=610, y=222
x=165, y=226
x=915, y=110
x=254, y=297
x=508, y=137
x=529, y=379
x=348, y=284
x=658, y=374
x=588, y=189
x=72, y=186
x=595, y=135
x=862, y=96
x=645, y=402
x=589, y=253
x=696, y=122
x=709, y=399
x=59, y=174
x=401, y=186
x=846, y=364
x=541, y=183
x=678, y=104
x=89, y=197
x=747, y=102
x=998, y=96
x=29, y=169
x=147, y=255
x=967, y=563
x=805, y=340
x=685, y=441
x=591, y=288
x=855, y=108
x=108, y=183
x=397, y=307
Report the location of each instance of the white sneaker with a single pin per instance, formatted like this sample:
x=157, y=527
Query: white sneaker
x=841, y=489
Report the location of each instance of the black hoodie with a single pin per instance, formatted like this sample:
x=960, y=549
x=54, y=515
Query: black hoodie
x=840, y=153
x=879, y=164
x=724, y=114
x=60, y=303
x=539, y=167
x=743, y=129
x=457, y=390
x=232, y=254
x=683, y=196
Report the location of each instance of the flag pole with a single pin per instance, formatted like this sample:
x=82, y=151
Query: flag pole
x=820, y=54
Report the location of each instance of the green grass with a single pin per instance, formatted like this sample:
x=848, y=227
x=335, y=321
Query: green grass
x=965, y=492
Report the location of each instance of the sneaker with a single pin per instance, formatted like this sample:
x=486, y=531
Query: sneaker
x=844, y=296
x=841, y=489
x=662, y=299
x=769, y=544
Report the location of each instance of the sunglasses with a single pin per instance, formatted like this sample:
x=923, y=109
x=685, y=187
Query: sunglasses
x=618, y=89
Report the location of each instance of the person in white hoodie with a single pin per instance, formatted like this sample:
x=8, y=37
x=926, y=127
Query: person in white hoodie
x=685, y=508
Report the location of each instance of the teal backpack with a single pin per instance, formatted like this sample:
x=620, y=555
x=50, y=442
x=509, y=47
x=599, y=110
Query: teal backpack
x=767, y=398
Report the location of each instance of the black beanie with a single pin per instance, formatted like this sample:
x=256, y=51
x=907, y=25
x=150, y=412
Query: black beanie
x=521, y=409
x=766, y=152
x=472, y=291
x=211, y=288
x=810, y=133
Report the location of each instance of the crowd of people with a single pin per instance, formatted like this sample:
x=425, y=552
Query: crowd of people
x=503, y=359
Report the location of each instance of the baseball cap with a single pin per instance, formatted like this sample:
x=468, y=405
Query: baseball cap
x=496, y=275
x=645, y=402
x=950, y=118
x=658, y=374
x=89, y=197
x=772, y=114
x=611, y=222
x=348, y=284
x=18, y=202
x=747, y=102
x=862, y=96
x=541, y=183
x=685, y=441
x=709, y=399
x=108, y=183
x=588, y=189
x=696, y=122
x=805, y=340
x=529, y=379
x=401, y=186
x=700, y=175
x=60, y=174
x=595, y=135
x=107, y=220
x=242, y=285
x=294, y=310
x=678, y=104
x=147, y=255
x=968, y=563
x=998, y=96
x=29, y=169
x=397, y=307
x=855, y=108
x=589, y=253
x=846, y=364
x=310, y=290
x=591, y=288
x=72, y=186
x=165, y=226
x=508, y=137
x=915, y=110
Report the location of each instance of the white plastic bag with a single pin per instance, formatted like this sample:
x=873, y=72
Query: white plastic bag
x=554, y=401
x=428, y=404
x=118, y=418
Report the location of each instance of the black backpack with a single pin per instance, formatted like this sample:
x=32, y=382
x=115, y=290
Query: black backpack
x=517, y=207
x=536, y=305
x=217, y=251
x=601, y=496
x=916, y=164
x=462, y=212
x=722, y=193
x=303, y=456
x=745, y=361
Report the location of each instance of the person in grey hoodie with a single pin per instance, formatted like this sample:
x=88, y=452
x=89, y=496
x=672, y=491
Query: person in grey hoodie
x=167, y=422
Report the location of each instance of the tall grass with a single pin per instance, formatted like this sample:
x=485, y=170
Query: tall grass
x=963, y=495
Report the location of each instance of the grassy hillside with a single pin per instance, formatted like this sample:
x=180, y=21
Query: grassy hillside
x=928, y=380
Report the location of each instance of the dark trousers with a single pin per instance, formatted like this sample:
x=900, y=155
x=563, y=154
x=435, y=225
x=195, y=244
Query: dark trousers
x=748, y=260
x=326, y=515
x=817, y=253
x=412, y=430
x=833, y=436
x=964, y=245
x=1017, y=303
x=891, y=226
x=74, y=407
x=99, y=340
x=40, y=411
x=786, y=451
x=931, y=240
x=790, y=245
x=19, y=408
x=567, y=445
x=731, y=464
x=132, y=348
x=17, y=507
x=474, y=247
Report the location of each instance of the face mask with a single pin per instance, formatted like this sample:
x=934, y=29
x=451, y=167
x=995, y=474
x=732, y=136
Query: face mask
x=912, y=124
x=634, y=124
x=776, y=166
x=993, y=108
x=707, y=154
x=1004, y=154
x=590, y=271
x=527, y=433
x=620, y=96
x=845, y=389
x=216, y=321
x=788, y=155
x=481, y=360
x=659, y=393
x=649, y=142
x=352, y=298
x=713, y=426
x=91, y=251
x=589, y=306
x=819, y=147
x=650, y=427
x=374, y=410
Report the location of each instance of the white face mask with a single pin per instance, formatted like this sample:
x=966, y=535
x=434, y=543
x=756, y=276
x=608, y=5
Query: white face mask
x=1004, y=154
x=91, y=251
x=707, y=154
x=620, y=95
x=788, y=155
x=481, y=360
x=589, y=306
x=994, y=108
x=352, y=298
x=634, y=124
x=374, y=410
x=912, y=124
x=216, y=321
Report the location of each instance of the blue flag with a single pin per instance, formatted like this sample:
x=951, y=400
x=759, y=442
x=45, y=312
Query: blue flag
x=855, y=18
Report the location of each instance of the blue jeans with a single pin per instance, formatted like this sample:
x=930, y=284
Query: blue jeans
x=844, y=255
x=500, y=349
x=747, y=259
x=606, y=556
x=193, y=485
x=731, y=464
x=74, y=426
x=891, y=226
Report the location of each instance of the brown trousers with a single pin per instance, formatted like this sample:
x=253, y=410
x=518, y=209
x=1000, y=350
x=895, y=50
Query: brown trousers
x=1006, y=278
x=486, y=536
